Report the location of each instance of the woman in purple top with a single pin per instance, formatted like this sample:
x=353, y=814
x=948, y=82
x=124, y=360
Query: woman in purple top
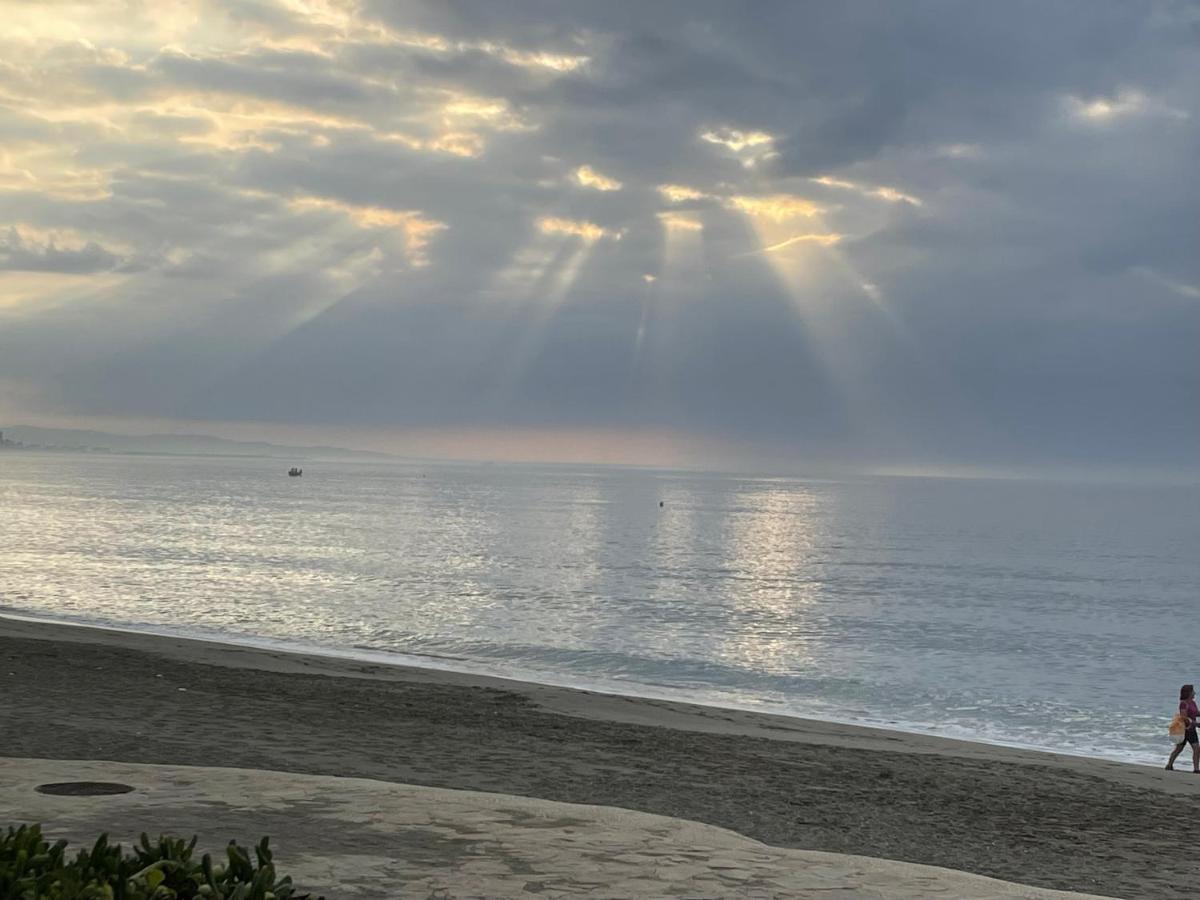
x=1190, y=713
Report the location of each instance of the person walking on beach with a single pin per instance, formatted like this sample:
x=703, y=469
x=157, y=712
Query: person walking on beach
x=1189, y=713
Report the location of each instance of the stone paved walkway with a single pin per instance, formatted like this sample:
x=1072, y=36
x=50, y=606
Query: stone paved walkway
x=368, y=840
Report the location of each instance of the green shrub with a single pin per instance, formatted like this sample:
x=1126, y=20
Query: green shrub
x=33, y=869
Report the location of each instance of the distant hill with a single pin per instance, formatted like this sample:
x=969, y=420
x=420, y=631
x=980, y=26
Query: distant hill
x=32, y=437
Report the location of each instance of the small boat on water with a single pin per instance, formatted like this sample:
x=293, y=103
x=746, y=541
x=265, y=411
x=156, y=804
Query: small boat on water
x=294, y=472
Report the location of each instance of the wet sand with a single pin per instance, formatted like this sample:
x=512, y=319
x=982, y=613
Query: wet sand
x=1053, y=821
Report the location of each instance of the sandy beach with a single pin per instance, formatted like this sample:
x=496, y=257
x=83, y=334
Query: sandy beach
x=1041, y=819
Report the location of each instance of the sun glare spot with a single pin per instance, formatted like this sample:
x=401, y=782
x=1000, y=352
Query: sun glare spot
x=588, y=177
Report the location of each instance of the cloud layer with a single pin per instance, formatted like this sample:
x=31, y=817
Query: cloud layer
x=865, y=231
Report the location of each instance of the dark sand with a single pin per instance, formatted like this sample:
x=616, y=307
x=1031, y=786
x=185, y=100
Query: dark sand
x=1041, y=819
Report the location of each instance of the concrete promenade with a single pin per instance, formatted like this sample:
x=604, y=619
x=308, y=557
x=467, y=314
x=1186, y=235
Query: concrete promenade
x=359, y=839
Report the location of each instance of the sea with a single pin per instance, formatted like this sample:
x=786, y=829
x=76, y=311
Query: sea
x=1058, y=616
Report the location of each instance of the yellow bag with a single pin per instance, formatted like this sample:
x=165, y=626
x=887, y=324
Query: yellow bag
x=1178, y=727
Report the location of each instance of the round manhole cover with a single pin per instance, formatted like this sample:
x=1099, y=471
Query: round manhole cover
x=84, y=788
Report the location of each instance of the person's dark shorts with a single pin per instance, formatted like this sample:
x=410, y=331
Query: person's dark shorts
x=1190, y=737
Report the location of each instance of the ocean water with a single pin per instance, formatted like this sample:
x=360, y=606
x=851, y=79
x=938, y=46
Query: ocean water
x=1057, y=616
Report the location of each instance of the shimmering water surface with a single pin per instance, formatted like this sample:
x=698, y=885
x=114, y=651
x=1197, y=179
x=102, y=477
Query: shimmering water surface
x=1046, y=615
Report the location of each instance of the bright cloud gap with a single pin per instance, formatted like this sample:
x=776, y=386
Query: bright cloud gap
x=588, y=177
x=579, y=228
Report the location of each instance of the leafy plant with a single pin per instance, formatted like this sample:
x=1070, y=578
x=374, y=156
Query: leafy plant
x=31, y=868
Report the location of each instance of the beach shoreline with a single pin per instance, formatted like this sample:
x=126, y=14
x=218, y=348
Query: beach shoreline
x=1067, y=822
x=349, y=663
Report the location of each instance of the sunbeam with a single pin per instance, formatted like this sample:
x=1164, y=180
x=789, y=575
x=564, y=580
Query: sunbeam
x=815, y=279
x=533, y=288
x=681, y=270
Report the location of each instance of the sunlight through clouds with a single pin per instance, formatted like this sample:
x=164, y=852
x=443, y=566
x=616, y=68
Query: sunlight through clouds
x=535, y=284
x=493, y=113
x=525, y=270
x=657, y=351
x=821, y=240
x=589, y=231
x=595, y=205
x=1190, y=291
x=544, y=270
x=52, y=174
x=418, y=231
x=737, y=141
x=1103, y=108
x=590, y=178
x=891, y=194
x=750, y=147
x=559, y=63
x=680, y=193
x=27, y=293
x=775, y=208
x=1123, y=104
x=674, y=221
x=62, y=250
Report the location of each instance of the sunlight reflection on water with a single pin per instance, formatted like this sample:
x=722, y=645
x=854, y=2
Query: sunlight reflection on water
x=1045, y=615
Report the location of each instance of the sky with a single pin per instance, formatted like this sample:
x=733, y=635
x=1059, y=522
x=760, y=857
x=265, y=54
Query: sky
x=922, y=234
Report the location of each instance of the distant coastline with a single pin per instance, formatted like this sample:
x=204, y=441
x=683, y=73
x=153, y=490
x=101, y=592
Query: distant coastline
x=71, y=440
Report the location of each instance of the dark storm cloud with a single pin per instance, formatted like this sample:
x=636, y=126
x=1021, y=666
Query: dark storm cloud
x=606, y=214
